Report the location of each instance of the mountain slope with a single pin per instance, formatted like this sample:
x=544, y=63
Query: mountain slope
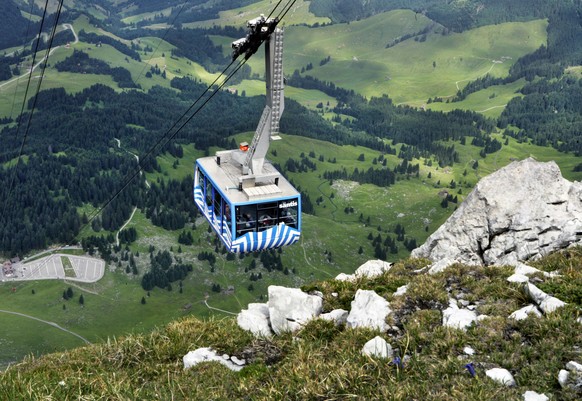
x=323, y=361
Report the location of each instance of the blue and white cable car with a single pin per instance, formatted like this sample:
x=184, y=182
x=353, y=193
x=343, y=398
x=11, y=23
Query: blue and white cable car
x=247, y=202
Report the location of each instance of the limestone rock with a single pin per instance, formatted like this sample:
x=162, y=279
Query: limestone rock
x=571, y=377
x=370, y=269
x=533, y=396
x=193, y=358
x=523, y=211
x=563, y=376
x=458, y=318
x=255, y=319
x=501, y=376
x=289, y=308
x=344, y=277
x=545, y=302
x=440, y=265
x=338, y=316
x=524, y=312
x=574, y=366
x=378, y=347
x=369, y=310
x=518, y=278
x=400, y=291
x=373, y=268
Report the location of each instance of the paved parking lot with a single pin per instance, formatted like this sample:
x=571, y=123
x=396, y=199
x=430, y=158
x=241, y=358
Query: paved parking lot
x=84, y=269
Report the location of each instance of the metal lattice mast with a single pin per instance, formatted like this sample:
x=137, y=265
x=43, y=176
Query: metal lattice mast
x=269, y=122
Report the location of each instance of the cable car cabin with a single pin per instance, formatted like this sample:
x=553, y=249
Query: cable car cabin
x=249, y=204
x=247, y=219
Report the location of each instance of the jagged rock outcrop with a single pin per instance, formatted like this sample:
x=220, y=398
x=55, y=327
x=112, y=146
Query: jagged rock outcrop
x=523, y=211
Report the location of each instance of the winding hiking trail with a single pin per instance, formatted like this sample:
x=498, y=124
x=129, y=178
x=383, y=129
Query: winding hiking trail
x=217, y=309
x=146, y=182
x=34, y=67
x=46, y=322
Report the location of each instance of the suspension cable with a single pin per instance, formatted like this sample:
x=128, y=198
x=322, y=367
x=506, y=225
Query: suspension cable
x=129, y=177
x=23, y=48
x=27, y=129
x=165, y=138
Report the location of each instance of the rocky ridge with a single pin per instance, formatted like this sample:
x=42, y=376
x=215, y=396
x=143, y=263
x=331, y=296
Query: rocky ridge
x=519, y=213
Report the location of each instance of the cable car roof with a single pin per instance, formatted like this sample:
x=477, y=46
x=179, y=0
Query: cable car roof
x=225, y=178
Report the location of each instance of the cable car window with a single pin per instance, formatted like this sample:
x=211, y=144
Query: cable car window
x=201, y=179
x=217, y=204
x=288, y=211
x=208, y=192
x=267, y=215
x=246, y=220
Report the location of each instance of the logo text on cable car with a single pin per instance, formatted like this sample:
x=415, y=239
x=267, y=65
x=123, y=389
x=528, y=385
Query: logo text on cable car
x=287, y=204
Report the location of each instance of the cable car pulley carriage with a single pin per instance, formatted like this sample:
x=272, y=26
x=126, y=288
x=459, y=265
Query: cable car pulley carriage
x=247, y=202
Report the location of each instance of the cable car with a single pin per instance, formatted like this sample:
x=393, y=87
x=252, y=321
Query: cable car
x=247, y=202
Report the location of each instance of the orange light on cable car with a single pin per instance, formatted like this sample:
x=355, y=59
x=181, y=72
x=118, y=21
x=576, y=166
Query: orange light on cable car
x=244, y=146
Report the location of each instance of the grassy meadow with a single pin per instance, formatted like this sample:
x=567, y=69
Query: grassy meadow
x=298, y=14
x=410, y=72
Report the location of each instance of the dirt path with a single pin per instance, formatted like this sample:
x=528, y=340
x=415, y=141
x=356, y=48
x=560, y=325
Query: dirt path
x=46, y=322
x=65, y=26
x=219, y=310
x=123, y=226
x=146, y=182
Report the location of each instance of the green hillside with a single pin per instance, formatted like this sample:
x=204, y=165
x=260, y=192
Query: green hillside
x=324, y=361
x=374, y=97
x=410, y=72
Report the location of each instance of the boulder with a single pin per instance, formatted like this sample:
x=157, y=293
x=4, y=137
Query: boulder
x=373, y=268
x=255, y=319
x=290, y=308
x=378, y=347
x=520, y=212
x=369, y=310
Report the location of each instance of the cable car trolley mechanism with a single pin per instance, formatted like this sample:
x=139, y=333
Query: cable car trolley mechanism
x=247, y=202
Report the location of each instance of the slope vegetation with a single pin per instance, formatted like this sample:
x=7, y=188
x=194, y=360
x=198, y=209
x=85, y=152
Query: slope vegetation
x=323, y=361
